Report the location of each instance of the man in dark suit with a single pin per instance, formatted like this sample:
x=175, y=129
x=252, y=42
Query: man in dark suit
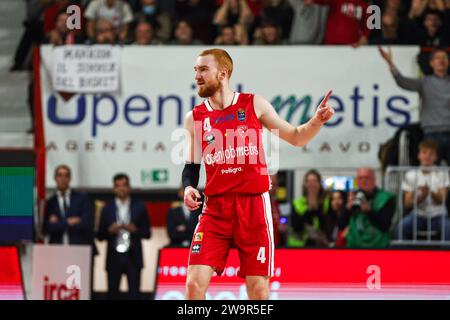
x=69, y=215
x=181, y=223
x=124, y=223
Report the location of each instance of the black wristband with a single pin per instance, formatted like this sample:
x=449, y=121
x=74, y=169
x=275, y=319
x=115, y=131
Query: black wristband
x=190, y=175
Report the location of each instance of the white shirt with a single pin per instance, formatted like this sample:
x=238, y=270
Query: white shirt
x=60, y=197
x=123, y=211
x=61, y=200
x=120, y=13
x=435, y=180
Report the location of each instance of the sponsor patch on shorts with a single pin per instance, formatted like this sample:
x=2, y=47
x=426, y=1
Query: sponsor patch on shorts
x=198, y=237
x=196, y=248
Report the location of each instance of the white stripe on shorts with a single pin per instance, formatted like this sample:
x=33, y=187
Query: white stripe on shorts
x=269, y=224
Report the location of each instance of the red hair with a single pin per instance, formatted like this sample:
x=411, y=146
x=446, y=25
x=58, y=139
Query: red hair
x=222, y=57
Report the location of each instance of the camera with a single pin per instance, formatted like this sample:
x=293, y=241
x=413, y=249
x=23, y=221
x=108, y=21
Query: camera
x=360, y=198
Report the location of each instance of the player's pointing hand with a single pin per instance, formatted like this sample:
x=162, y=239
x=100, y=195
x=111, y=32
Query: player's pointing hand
x=324, y=111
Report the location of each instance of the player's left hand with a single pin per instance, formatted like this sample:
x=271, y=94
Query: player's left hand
x=324, y=111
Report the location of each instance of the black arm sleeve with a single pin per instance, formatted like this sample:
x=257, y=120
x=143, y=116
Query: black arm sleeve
x=382, y=219
x=190, y=175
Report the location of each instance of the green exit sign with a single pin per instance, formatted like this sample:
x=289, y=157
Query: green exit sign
x=154, y=176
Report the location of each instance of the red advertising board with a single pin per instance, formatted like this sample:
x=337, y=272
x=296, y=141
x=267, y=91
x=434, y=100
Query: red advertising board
x=11, y=287
x=323, y=274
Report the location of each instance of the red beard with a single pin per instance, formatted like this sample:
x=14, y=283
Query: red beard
x=207, y=90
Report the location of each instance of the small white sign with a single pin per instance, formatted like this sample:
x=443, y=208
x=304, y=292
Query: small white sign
x=86, y=69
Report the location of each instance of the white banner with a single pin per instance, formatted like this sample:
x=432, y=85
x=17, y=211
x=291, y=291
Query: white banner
x=86, y=69
x=99, y=135
x=61, y=272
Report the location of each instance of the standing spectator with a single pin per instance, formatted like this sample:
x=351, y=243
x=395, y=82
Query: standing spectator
x=238, y=14
x=308, y=213
x=226, y=37
x=143, y=34
x=61, y=35
x=431, y=29
x=270, y=34
x=181, y=222
x=32, y=35
x=337, y=219
x=309, y=22
x=159, y=19
x=199, y=14
x=425, y=194
x=347, y=21
x=434, y=91
x=117, y=12
x=124, y=222
x=372, y=210
x=428, y=27
x=183, y=34
x=68, y=215
x=280, y=13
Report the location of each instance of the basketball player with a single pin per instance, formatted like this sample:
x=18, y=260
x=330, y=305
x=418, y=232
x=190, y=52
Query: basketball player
x=226, y=130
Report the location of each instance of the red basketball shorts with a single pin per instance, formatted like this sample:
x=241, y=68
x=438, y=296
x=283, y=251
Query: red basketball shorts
x=242, y=220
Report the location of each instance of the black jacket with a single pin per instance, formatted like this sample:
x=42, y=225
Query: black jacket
x=139, y=217
x=80, y=206
x=175, y=218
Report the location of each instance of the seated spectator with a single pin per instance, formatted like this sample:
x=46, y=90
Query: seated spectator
x=183, y=34
x=337, y=219
x=269, y=34
x=104, y=33
x=143, y=34
x=308, y=22
x=238, y=14
x=61, y=35
x=226, y=37
x=371, y=214
x=389, y=33
x=118, y=12
x=280, y=13
x=434, y=91
x=425, y=192
x=158, y=18
x=346, y=23
x=181, y=222
x=308, y=214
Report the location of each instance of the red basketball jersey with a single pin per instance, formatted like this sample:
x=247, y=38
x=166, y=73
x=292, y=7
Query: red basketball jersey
x=232, y=147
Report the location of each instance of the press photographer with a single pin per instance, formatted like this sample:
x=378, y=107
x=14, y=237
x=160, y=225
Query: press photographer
x=371, y=213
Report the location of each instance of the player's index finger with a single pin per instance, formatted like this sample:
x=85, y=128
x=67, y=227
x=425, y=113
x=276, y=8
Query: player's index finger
x=325, y=100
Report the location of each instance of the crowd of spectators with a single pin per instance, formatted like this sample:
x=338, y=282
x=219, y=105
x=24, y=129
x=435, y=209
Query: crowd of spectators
x=238, y=22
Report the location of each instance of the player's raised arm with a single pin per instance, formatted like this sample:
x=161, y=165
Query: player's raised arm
x=191, y=171
x=297, y=136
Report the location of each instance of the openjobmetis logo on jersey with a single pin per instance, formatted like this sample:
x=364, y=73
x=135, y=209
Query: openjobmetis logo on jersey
x=231, y=170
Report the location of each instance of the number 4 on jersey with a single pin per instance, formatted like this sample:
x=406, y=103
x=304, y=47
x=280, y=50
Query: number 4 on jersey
x=261, y=255
x=207, y=125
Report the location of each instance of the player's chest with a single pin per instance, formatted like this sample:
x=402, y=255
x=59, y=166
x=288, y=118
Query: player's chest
x=234, y=119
